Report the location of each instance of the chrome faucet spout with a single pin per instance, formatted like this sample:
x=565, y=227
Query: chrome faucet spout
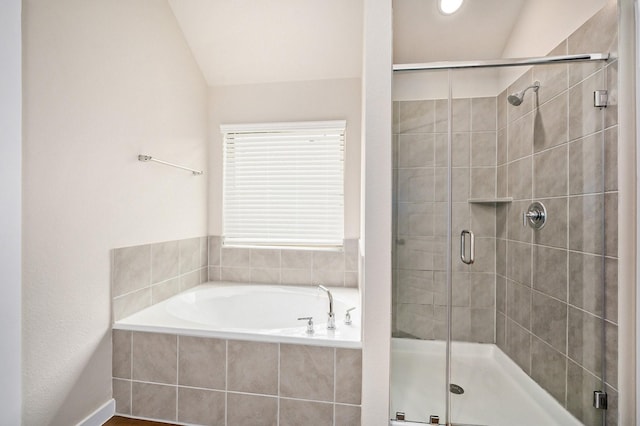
x=321, y=287
x=331, y=320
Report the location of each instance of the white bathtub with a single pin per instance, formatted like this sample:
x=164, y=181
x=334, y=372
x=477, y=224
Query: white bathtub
x=267, y=313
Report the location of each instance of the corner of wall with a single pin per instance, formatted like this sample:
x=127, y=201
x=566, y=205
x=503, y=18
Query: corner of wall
x=377, y=212
x=628, y=208
x=11, y=201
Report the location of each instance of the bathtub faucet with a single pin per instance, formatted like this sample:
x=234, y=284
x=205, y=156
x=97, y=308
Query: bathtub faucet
x=331, y=320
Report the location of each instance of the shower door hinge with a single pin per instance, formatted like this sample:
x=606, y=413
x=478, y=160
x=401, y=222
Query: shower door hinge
x=600, y=400
x=600, y=98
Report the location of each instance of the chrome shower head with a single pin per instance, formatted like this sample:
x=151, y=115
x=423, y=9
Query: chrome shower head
x=516, y=99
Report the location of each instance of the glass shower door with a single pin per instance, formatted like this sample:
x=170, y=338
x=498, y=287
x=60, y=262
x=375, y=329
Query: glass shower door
x=474, y=202
x=530, y=315
x=505, y=254
x=420, y=264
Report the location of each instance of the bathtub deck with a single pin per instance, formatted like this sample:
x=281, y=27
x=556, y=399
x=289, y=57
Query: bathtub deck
x=161, y=317
x=496, y=391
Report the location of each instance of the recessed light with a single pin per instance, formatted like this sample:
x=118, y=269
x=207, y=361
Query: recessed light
x=448, y=7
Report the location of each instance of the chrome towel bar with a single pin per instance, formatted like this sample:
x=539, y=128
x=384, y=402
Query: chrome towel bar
x=146, y=158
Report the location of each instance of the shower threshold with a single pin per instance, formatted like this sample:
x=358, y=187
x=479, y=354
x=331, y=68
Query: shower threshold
x=496, y=391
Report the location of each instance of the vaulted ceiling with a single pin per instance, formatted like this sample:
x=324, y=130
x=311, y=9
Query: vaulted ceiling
x=479, y=30
x=258, y=41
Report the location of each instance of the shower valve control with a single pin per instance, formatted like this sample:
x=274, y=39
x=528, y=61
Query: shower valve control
x=347, y=317
x=535, y=216
x=309, y=324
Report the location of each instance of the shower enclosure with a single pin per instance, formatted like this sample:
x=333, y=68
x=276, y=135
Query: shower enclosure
x=505, y=243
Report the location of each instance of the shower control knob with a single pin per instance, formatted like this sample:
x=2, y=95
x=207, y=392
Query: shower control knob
x=309, y=324
x=347, y=317
x=535, y=216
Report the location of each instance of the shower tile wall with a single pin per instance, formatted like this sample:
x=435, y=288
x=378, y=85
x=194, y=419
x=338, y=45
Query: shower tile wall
x=420, y=218
x=558, y=149
x=555, y=148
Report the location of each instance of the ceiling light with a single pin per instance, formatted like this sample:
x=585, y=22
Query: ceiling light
x=448, y=7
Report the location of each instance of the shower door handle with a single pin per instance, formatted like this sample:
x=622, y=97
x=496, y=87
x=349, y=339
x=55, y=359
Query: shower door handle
x=463, y=247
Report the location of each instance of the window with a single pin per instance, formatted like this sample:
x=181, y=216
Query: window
x=283, y=184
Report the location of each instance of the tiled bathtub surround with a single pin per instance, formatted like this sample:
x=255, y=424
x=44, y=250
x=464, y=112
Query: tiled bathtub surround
x=147, y=274
x=555, y=148
x=284, y=266
x=228, y=382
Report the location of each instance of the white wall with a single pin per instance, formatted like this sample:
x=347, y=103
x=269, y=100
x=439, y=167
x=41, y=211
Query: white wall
x=103, y=82
x=376, y=294
x=273, y=41
x=10, y=200
x=281, y=102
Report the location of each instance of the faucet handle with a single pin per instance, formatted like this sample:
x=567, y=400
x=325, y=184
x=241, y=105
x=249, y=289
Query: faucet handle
x=309, y=324
x=347, y=317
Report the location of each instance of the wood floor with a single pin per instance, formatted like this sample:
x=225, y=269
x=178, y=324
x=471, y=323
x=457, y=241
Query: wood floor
x=123, y=421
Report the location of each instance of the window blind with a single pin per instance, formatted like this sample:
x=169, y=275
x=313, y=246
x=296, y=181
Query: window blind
x=284, y=184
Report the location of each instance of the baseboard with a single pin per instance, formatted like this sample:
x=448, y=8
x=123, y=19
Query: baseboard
x=101, y=415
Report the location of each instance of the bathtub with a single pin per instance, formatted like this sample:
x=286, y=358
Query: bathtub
x=266, y=313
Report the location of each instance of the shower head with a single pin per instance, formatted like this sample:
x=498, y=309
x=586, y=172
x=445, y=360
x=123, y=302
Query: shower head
x=516, y=99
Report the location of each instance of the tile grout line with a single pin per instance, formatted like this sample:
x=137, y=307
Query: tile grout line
x=177, y=373
x=335, y=379
x=130, y=373
x=279, y=392
x=568, y=218
x=150, y=284
x=508, y=129
x=226, y=381
x=535, y=111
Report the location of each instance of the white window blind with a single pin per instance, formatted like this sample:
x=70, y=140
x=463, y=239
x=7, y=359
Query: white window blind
x=284, y=184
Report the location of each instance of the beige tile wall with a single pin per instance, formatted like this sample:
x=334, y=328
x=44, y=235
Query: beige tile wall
x=420, y=218
x=147, y=274
x=555, y=148
x=558, y=149
x=229, y=382
x=284, y=266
